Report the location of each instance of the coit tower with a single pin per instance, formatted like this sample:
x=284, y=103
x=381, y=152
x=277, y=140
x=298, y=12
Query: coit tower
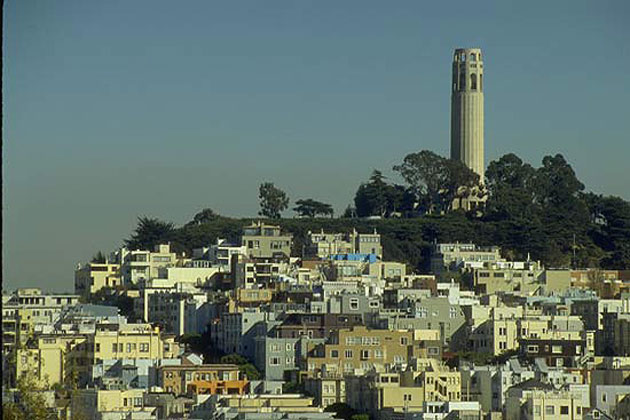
x=467, y=109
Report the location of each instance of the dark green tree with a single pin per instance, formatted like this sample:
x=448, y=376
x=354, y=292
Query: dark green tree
x=371, y=197
x=341, y=410
x=312, y=208
x=150, y=232
x=510, y=186
x=437, y=181
x=99, y=258
x=273, y=201
x=206, y=215
x=244, y=365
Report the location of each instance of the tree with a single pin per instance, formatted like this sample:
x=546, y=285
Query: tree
x=437, y=181
x=150, y=232
x=341, y=410
x=311, y=208
x=30, y=403
x=244, y=365
x=273, y=200
x=99, y=258
x=206, y=215
x=377, y=197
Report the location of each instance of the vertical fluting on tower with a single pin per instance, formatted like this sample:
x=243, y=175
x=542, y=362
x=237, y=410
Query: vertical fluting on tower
x=467, y=109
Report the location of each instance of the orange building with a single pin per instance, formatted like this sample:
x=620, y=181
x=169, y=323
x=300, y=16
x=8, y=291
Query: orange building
x=202, y=379
x=218, y=387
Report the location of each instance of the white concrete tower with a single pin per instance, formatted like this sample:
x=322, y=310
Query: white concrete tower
x=467, y=109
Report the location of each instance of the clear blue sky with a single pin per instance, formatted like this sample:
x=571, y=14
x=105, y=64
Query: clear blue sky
x=114, y=109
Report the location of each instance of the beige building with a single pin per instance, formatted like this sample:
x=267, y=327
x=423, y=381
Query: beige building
x=535, y=401
x=52, y=359
x=139, y=265
x=455, y=257
x=91, y=277
x=130, y=341
x=502, y=332
x=427, y=380
x=94, y=403
x=467, y=120
x=326, y=391
x=323, y=245
x=267, y=403
x=265, y=241
x=525, y=278
x=27, y=309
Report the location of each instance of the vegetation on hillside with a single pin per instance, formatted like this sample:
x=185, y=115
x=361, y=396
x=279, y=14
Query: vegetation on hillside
x=541, y=212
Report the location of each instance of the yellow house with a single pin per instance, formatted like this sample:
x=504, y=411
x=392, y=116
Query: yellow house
x=92, y=277
x=130, y=341
x=51, y=358
x=89, y=403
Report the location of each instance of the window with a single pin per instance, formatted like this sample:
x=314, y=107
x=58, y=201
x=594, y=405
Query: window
x=452, y=312
x=473, y=81
x=532, y=349
x=378, y=353
x=274, y=361
x=564, y=409
x=407, y=397
x=334, y=354
x=537, y=410
x=556, y=349
x=114, y=348
x=403, y=341
x=348, y=354
x=365, y=354
x=549, y=410
x=144, y=347
x=98, y=347
x=137, y=401
x=354, y=304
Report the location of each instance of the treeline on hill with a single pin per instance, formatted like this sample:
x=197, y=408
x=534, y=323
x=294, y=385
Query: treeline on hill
x=543, y=212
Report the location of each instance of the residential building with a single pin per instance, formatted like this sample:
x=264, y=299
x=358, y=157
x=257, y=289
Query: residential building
x=266, y=241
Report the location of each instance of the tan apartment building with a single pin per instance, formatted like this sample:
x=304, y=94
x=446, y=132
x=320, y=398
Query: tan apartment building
x=139, y=265
x=323, y=245
x=359, y=348
x=426, y=381
x=535, y=401
x=326, y=390
x=265, y=241
x=376, y=392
